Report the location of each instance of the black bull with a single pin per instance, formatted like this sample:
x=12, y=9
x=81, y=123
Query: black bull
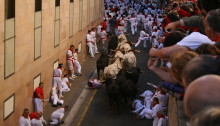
x=123, y=88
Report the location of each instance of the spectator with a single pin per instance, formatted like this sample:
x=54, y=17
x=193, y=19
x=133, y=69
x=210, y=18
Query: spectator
x=69, y=61
x=212, y=25
x=198, y=67
x=37, y=121
x=208, y=117
x=201, y=94
x=57, y=82
x=39, y=97
x=25, y=119
x=89, y=41
x=58, y=115
x=55, y=99
x=207, y=49
x=76, y=62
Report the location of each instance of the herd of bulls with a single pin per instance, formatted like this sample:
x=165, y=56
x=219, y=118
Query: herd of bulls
x=119, y=70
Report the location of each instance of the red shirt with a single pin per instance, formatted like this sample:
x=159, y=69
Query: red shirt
x=104, y=25
x=39, y=91
x=183, y=13
x=32, y=115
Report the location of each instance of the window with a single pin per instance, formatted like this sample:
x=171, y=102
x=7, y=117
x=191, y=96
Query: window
x=71, y=18
x=55, y=64
x=57, y=3
x=79, y=47
x=100, y=8
x=88, y=12
x=94, y=15
x=38, y=6
x=80, y=14
x=37, y=29
x=9, y=9
x=37, y=80
x=9, y=106
x=57, y=24
x=9, y=45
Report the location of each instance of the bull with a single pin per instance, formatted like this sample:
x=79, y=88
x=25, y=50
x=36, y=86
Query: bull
x=102, y=62
x=113, y=43
x=112, y=70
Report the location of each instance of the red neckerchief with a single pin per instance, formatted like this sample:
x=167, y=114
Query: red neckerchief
x=162, y=116
x=155, y=105
x=58, y=68
x=217, y=39
x=163, y=93
x=24, y=116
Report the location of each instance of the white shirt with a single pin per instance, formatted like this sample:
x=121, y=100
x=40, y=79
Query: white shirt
x=24, y=121
x=56, y=114
x=93, y=35
x=132, y=20
x=103, y=34
x=143, y=34
x=145, y=20
x=194, y=40
x=65, y=79
x=69, y=54
x=36, y=122
x=57, y=72
x=75, y=56
x=88, y=38
x=163, y=99
x=156, y=109
x=99, y=29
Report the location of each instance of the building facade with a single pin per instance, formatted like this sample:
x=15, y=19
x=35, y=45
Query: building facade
x=34, y=38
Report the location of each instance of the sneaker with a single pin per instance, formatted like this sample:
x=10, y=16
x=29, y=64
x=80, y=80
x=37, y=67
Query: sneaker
x=97, y=52
x=79, y=74
x=92, y=57
x=74, y=76
x=71, y=79
x=61, y=122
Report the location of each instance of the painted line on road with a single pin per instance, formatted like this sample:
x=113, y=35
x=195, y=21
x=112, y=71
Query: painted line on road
x=86, y=108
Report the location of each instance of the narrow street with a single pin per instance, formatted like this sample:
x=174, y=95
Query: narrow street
x=94, y=109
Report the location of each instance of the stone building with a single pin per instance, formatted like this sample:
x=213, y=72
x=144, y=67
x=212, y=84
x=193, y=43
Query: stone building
x=34, y=37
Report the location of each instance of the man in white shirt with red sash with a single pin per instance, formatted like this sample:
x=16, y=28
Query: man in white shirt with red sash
x=70, y=62
x=89, y=42
x=25, y=119
x=57, y=82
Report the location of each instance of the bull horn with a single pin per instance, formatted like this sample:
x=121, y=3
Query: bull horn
x=129, y=72
x=114, y=78
x=110, y=56
x=137, y=51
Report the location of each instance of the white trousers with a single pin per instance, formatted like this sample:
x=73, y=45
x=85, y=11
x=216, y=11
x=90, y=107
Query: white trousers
x=95, y=46
x=147, y=113
x=142, y=39
x=133, y=28
x=38, y=104
x=55, y=121
x=56, y=100
x=91, y=49
x=65, y=89
x=78, y=66
x=57, y=82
